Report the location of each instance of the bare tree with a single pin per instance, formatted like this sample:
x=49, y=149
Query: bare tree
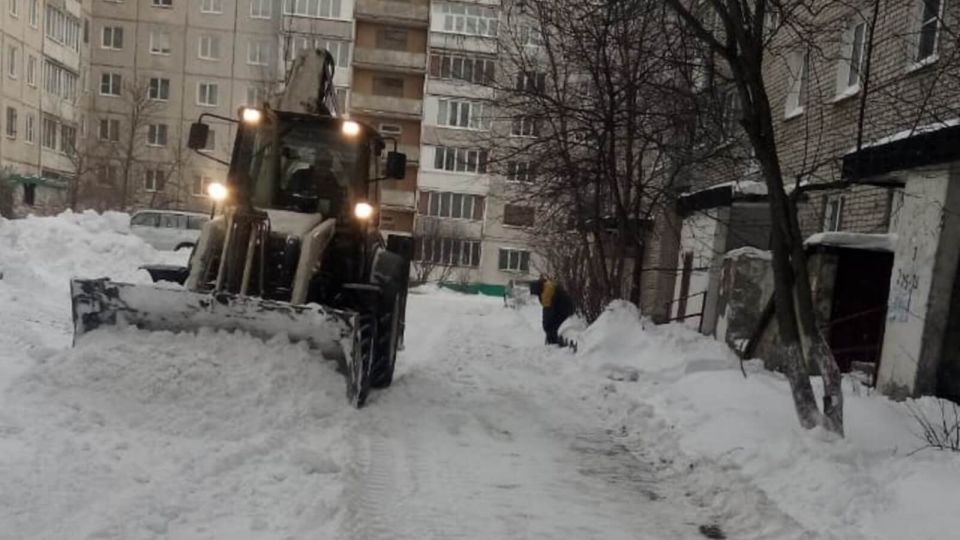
x=582, y=111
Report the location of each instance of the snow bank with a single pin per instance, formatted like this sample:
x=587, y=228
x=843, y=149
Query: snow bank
x=870, y=242
x=143, y=435
x=676, y=387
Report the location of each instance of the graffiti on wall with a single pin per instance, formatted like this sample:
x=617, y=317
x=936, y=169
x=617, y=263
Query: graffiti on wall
x=901, y=296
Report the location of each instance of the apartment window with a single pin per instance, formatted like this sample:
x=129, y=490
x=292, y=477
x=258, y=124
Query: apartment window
x=798, y=68
x=59, y=80
x=29, y=128
x=519, y=171
x=469, y=19
x=109, y=129
x=63, y=28
x=929, y=30
x=157, y=135
x=448, y=251
x=34, y=13
x=530, y=36
x=258, y=53
x=388, y=86
x=254, y=96
x=732, y=112
x=833, y=213
x=461, y=113
x=159, y=89
x=11, y=123
x=159, y=42
x=312, y=8
x=261, y=9
x=518, y=216
x=514, y=260
x=208, y=94
x=68, y=138
x=200, y=184
x=112, y=37
x=340, y=50
x=851, y=61
x=110, y=84
x=468, y=160
x=391, y=130
x=162, y=3
x=341, y=94
x=531, y=82
x=48, y=134
x=394, y=39
x=32, y=70
x=525, y=126
x=153, y=180
x=462, y=68
x=211, y=144
x=446, y=204
x=13, y=54
x=14, y=7
x=209, y=48
x=211, y=6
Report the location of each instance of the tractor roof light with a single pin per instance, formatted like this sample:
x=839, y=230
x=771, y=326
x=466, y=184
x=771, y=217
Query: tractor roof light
x=350, y=128
x=217, y=191
x=251, y=116
x=363, y=210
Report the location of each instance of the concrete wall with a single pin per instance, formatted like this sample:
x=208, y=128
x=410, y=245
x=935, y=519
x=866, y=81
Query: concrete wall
x=921, y=282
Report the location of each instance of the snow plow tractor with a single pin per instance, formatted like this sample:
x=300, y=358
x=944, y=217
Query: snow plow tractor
x=295, y=247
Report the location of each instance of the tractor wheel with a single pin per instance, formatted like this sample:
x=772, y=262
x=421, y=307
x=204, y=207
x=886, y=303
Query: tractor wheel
x=363, y=350
x=388, y=341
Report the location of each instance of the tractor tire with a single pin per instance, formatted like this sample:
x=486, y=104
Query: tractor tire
x=388, y=341
x=363, y=352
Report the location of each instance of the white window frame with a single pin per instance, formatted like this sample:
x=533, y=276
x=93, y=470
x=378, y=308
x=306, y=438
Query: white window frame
x=833, y=222
x=32, y=70
x=157, y=135
x=314, y=9
x=919, y=24
x=14, y=7
x=440, y=204
x=153, y=180
x=798, y=79
x=516, y=268
x=114, y=78
x=201, y=181
x=520, y=172
x=163, y=4
x=211, y=6
x=161, y=92
x=29, y=128
x=852, y=58
x=475, y=119
x=470, y=20
x=35, y=13
x=525, y=126
x=460, y=160
x=447, y=251
x=259, y=7
x=112, y=133
x=111, y=38
x=215, y=94
x=157, y=37
x=258, y=53
x=211, y=43
x=10, y=120
x=13, y=60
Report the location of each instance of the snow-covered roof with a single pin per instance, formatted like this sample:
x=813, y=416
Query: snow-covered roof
x=869, y=242
x=750, y=252
x=907, y=133
x=738, y=187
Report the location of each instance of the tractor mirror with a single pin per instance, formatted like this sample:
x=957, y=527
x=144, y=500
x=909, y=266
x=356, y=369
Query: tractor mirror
x=396, y=165
x=199, y=132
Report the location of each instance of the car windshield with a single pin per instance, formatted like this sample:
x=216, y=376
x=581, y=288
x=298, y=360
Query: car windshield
x=303, y=165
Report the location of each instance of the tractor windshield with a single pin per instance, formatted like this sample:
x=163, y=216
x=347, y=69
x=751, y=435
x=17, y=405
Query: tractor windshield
x=303, y=164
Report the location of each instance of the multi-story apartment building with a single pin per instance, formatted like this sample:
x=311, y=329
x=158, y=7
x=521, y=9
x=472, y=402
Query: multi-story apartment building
x=156, y=66
x=44, y=63
x=880, y=170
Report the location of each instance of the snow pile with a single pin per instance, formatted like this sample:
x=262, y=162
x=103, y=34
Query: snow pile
x=683, y=389
x=48, y=251
x=141, y=435
x=869, y=242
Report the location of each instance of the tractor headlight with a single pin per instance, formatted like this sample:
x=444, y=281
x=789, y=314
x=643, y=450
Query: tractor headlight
x=251, y=116
x=363, y=210
x=217, y=191
x=350, y=128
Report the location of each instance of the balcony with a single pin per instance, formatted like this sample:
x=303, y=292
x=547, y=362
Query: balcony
x=397, y=198
x=390, y=60
x=411, y=12
x=387, y=106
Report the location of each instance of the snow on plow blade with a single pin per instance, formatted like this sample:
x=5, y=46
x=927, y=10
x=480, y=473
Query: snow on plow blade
x=99, y=303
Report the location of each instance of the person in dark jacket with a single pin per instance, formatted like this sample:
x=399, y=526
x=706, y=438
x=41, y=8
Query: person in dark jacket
x=557, y=306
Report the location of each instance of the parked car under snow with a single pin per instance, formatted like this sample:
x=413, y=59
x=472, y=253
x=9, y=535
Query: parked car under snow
x=168, y=229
